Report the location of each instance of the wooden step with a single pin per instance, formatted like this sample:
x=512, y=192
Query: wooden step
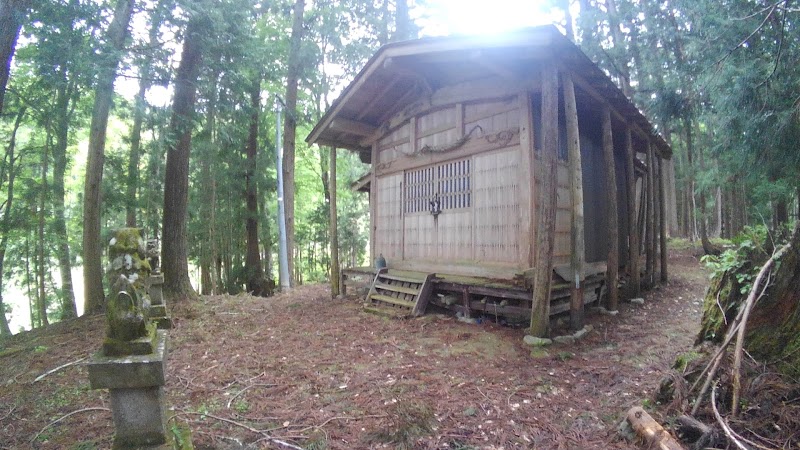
x=392, y=300
x=395, y=288
x=386, y=276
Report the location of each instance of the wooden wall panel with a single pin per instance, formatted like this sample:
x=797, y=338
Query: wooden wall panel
x=497, y=206
x=420, y=236
x=395, y=144
x=437, y=128
x=492, y=116
x=455, y=235
x=388, y=219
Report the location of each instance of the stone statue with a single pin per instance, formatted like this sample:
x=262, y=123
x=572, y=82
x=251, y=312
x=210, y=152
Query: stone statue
x=129, y=329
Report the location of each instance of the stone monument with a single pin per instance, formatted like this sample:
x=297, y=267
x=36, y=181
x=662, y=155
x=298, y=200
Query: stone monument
x=155, y=282
x=131, y=363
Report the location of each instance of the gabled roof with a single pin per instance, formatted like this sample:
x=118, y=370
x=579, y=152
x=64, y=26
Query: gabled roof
x=402, y=72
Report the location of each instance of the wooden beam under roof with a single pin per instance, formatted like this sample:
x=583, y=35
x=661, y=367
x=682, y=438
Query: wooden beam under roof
x=480, y=58
x=353, y=127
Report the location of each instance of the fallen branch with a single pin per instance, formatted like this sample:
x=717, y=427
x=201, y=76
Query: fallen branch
x=64, y=417
x=725, y=427
x=650, y=431
x=230, y=401
x=262, y=433
x=63, y=366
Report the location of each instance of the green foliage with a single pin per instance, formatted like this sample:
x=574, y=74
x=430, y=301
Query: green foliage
x=740, y=262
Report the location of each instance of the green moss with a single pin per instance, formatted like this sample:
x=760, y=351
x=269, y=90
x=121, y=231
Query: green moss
x=683, y=360
x=180, y=436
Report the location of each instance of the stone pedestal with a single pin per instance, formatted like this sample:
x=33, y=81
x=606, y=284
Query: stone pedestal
x=136, y=387
x=158, y=307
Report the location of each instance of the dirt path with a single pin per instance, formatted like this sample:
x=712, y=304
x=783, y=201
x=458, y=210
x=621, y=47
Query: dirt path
x=321, y=374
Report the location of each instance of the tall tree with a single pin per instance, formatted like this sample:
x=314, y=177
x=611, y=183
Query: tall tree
x=92, y=244
x=66, y=96
x=253, y=269
x=290, y=128
x=140, y=105
x=9, y=175
x=176, y=183
x=11, y=13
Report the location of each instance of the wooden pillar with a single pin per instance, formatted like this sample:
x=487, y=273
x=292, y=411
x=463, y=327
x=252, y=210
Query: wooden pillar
x=546, y=210
x=612, y=268
x=633, y=229
x=336, y=286
x=650, y=241
x=656, y=217
x=576, y=193
x=663, y=232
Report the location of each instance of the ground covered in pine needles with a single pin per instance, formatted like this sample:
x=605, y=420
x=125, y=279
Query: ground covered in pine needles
x=302, y=370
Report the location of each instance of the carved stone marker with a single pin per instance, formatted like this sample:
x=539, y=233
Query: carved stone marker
x=131, y=363
x=155, y=283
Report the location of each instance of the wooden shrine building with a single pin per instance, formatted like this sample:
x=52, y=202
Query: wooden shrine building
x=458, y=130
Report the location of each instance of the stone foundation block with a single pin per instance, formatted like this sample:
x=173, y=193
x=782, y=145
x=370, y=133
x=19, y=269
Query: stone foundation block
x=124, y=372
x=139, y=418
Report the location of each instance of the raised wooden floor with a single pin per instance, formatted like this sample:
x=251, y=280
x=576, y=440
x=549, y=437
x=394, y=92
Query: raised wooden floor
x=508, y=298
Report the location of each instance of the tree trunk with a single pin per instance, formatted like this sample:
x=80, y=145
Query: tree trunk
x=290, y=129
x=41, y=265
x=708, y=247
x=252, y=264
x=546, y=207
x=132, y=188
x=92, y=242
x=772, y=334
x=618, y=43
x=11, y=12
x=402, y=22
x=5, y=222
x=176, y=183
x=62, y=115
x=663, y=221
x=383, y=25
x=612, y=268
x=335, y=287
x=140, y=105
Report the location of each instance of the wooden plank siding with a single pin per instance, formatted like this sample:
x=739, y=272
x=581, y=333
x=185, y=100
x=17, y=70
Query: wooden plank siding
x=477, y=185
x=498, y=201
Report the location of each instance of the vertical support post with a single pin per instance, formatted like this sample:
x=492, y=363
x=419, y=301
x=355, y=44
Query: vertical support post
x=663, y=234
x=335, y=279
x=650, y=242
x=633, y=229
x=576, y=193
x=656, y=216
x=527, y=183
x=612, y=269
x=546, y=212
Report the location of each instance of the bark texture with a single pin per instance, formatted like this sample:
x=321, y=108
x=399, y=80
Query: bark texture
x=92, y=245
x=546, y=206
x=176, y=184
x=11, y=13
x=612, y=269
x=773, y=330
x=256, y=284
x=290, y=129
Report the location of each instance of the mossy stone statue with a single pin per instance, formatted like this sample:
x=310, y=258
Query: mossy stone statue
x=129, y=329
